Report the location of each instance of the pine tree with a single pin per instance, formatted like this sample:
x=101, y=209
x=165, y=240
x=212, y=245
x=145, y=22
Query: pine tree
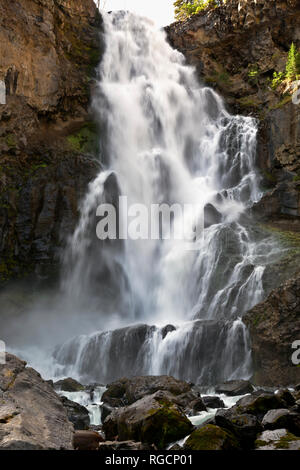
x=293, y=63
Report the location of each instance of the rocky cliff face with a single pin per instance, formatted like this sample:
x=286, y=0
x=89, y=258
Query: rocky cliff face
x=236, y=48
x=48, y=53
x=274, y=326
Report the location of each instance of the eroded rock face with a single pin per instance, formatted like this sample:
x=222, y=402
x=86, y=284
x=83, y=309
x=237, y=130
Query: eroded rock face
x=236, y=48
x=32, y=416
x=235, y=388
x=127, y=391
x=49, y=51
x=274, y=326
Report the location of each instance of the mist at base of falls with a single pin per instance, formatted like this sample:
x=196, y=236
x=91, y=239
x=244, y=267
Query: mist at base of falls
x=131, y=307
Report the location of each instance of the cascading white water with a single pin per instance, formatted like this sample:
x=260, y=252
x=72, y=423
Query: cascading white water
x=167, y=140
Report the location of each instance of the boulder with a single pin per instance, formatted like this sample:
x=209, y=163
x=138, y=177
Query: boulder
x=244, y=426
x=109, y=446
x=286, y=396
x=106, y=409
x=258, y=404
x=68, y=385
x=87, y=440
x=213, y=402
x=32, y=416
x=211, y=216
x=235, y=388
x=154, y=419
x=280, y=439
x=127, y=391
x=282, y=418
x=77, y=414
x=210, y=437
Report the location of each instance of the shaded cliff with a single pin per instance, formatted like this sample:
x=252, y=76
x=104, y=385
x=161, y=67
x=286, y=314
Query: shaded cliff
x=274, y=326
x=48, y=140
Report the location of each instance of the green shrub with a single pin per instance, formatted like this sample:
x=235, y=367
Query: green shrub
x=292, y=70
x=186, y=8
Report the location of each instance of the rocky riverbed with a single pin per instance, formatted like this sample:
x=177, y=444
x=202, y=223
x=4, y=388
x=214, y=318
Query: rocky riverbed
x=143, y=413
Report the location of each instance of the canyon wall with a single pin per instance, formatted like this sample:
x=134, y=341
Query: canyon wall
x=236, y=48
x=49, y=50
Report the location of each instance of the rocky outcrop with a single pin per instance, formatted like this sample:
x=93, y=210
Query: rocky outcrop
x=154, y=419
x=211, y=437
x=32, y=416
x=77, y=414
x=274, y=326
x=236, y=48
x=48, y=140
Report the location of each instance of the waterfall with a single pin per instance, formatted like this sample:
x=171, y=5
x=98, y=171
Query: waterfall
x=163, y=308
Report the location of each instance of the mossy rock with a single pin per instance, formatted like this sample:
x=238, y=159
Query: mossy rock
x=154, y=419
x=279, y=439
x=165, y=425
x=211, y=437
x=85, y=140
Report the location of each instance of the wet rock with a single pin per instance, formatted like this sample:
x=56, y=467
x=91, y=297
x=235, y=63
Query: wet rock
x=280, y=439
x=106, y=409
x=274, y=325
x=244, y=426
x=68, y=385
x=127, y=391
x=258, y=404
x=235, y=388
x=32, y=416
x=286, y=396
x=211, y=437
x=213, y=402
x=87, y=440
x=282, y=418
x=211, y=216
x=167, y=329
x=154, y=419
x=77, y=414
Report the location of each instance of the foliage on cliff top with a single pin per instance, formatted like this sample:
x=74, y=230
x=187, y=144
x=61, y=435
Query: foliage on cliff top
x=185, y=8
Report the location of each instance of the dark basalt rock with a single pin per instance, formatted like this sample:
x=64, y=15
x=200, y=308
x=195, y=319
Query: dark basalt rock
x=274, y=324
x=235, y=388
x=282, y=418
x=244, y=426
x=127, y=391
x=68, y=385
x=213, y=402
x=77, y=414
x=210, y=437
